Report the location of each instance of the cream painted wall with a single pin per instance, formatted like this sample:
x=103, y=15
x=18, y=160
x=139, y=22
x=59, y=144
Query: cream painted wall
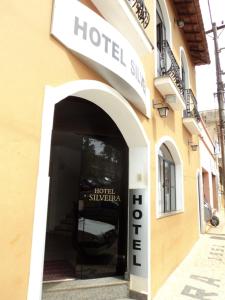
x=30, y=59
x=178, y=40
x=173, y=236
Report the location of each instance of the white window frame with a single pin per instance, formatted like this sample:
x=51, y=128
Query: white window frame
x=171, y=145
x=184, y=63
x=167, y=24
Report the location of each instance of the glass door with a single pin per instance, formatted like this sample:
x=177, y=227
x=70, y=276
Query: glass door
x=102, y=208
x=86, y=232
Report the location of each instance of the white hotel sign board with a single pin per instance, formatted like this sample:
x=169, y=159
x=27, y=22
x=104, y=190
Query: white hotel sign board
x=101, y=47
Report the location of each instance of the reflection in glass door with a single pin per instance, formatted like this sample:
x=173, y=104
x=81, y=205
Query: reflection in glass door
x=102, y=220
x=86, y=234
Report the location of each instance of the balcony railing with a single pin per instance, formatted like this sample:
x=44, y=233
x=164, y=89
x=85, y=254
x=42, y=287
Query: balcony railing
x=141, y=11
x=191, y=105
x=168, y=66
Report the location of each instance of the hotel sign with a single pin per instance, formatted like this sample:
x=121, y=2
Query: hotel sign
x=101, y=195
x=138, y=233
x=101, y=47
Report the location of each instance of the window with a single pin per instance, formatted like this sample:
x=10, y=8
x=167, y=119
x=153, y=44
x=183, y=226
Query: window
x=160, y=28
x=167, y=180
x=170, y=180
x=184, y=69
x=183, y=74
x=163, y=34
x=160, y=35
x=185, y=82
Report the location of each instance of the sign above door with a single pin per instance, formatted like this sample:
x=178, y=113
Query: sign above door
x=103, y=48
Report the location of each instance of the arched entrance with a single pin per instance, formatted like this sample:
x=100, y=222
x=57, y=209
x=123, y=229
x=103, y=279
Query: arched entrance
x=132, y=131
x=86, y=235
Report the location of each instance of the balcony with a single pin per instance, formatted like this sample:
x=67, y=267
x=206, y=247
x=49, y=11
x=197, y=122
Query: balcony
x=169, y=82
x=191, y=115
x=141, y=11
x=130, y=18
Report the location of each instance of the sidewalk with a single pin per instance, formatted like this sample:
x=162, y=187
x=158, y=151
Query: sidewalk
x=202, y=274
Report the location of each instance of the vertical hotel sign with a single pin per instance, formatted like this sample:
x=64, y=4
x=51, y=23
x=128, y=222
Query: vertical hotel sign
x=138, y=233
x=101, y=47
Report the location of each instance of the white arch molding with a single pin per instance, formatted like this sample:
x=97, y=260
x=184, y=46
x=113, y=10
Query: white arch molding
x=167, y=21
x=170, y=143
x=200, y=199
x=183, y=59
x=166, y=17
x=139, y=165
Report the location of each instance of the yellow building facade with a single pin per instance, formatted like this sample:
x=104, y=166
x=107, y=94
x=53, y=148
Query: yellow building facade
x=98, y=54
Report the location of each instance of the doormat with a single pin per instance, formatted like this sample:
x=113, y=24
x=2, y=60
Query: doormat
x=58, y=270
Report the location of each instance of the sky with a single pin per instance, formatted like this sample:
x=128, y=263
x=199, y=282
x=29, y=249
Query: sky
x=206, y=75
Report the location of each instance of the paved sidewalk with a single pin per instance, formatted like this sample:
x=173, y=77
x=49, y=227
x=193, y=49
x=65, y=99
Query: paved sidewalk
x=202, y=274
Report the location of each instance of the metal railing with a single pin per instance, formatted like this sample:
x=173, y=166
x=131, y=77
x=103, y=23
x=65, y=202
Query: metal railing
x=168, y=66
x=141, y=11
x=191, y=105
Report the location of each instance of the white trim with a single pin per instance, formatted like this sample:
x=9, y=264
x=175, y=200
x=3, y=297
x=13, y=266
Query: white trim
x=170, y=143
x=170, y=93
x=186, y=66
x=172, y=213
x=122, y=17
x=199, y=188
x=155, y=37
x=130, y=126
x=168, y=25
x=166, y=16
x=203, y=222
x=192, y=125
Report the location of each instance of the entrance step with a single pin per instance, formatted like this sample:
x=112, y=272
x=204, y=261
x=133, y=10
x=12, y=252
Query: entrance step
x=110, y=288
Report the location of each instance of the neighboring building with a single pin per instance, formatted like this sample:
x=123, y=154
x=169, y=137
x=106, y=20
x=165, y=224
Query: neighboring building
x=208, y=177
x=211, y=120
x=94, y=182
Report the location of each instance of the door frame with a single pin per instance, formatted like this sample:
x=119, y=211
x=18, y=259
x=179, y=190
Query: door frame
x=138, y=143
